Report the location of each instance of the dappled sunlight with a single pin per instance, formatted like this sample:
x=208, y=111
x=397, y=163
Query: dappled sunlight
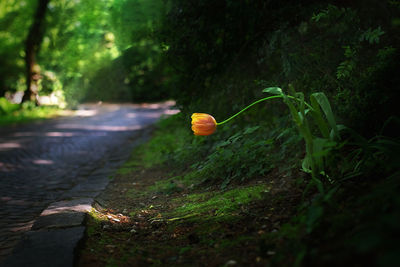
x=165, y=104
x=61, y=134
x=171, y=111
x=101, y=127
x=131, y=115
x=50, y=134
x=22, y=227
x=86, y=113
x=8, y=146
x=76, y=205
x=110, y=216
x=43, y=162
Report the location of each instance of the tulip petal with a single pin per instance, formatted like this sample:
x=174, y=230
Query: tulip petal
x=203, y=124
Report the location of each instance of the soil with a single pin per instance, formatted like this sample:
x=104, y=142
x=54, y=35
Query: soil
x=135, y=225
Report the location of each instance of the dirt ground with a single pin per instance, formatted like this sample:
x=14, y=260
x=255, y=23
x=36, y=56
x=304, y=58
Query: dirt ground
x=145, y=217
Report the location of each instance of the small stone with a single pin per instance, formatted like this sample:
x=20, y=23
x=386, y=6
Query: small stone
x=271, y=253
x=230, y=263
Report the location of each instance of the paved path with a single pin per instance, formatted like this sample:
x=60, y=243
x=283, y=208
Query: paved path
x=61, y=165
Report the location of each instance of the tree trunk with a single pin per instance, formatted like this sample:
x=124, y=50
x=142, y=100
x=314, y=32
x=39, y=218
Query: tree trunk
x=32, y=44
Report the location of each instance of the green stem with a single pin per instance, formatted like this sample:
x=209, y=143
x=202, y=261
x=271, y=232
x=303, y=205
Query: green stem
x=258, y=101
x=249, y=106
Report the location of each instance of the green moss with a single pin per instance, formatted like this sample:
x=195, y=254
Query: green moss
x=223, y=204
x=95, y=221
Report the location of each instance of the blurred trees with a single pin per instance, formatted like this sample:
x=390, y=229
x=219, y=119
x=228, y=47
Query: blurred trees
x=138, y=73
x=32, y=45
x=13, y=32
x=90, y=50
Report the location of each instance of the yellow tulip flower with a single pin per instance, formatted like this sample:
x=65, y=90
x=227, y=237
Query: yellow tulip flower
x=203, y=124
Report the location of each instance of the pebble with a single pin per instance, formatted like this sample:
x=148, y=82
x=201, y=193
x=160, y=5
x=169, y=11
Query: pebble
x=231, y=263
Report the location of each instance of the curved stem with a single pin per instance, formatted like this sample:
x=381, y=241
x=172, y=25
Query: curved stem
x=258, y=101
x=249, y=106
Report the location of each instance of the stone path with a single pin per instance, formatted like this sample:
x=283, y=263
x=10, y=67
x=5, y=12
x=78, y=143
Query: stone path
x=50, y=172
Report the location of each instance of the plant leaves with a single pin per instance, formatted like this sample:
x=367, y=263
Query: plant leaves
x=273, y=90
x=326, y=108
x=320, y=121
x=250, y=130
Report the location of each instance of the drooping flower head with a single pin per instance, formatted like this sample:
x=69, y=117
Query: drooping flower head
x=203, y=124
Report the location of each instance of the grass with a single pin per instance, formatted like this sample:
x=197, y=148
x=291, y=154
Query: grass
x=219, y=203
x=15, y=113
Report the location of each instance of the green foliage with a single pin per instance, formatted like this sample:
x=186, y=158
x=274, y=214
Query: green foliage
x=359, y=222
x=317, y=148
x=168, y=140
x=6, y=107
x=372, y=36
x=138, y=73
x=94, y=50
x=14, y=113
x=242, y=156
x=15, y=19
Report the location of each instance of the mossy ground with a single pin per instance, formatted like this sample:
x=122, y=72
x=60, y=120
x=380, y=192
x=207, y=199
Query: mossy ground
x=149, y=217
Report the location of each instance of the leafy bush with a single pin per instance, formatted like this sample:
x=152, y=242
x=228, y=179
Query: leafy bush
x=242, y=156
x=6, y=107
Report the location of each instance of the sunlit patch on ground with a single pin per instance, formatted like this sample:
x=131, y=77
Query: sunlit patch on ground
x=85, y=113
x=43, y=161
x=10, y=145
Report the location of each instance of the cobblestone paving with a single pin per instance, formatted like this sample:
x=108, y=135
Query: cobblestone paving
x=41, y=162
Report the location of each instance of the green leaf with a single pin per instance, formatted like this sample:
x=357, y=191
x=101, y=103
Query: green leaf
x=323, y=101
x=250, y=130
x=317, y=115
x=306, y=164
x=315, y=212
x=321, y=148
x=273, y=90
